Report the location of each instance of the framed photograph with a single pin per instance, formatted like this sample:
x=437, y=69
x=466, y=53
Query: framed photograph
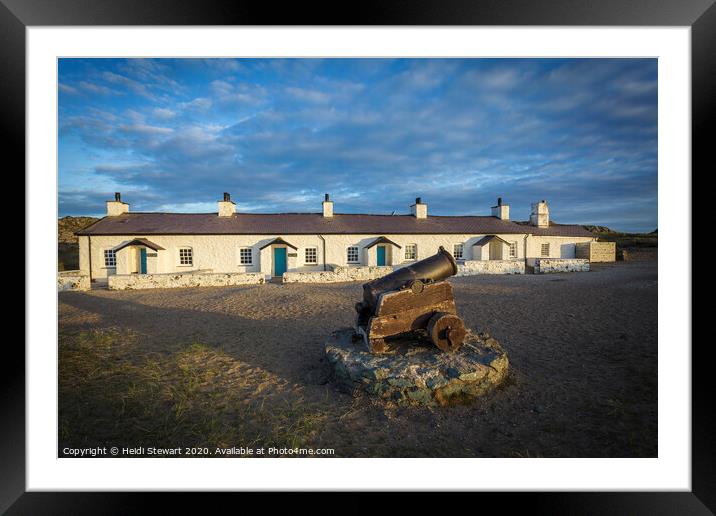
x=429, y=235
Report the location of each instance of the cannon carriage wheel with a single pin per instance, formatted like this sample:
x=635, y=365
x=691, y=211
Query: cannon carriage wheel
x=446, y=331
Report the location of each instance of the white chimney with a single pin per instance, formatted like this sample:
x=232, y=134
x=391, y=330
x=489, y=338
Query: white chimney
x=117, y=207
x=540, y=214
x=419, y=210
x=327, y=207
x=227, y=207
x=501, y=211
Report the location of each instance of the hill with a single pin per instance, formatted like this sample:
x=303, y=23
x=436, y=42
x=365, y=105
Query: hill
x=66, y=226
x=588, y=227
x=68, y=253
x=598, y=229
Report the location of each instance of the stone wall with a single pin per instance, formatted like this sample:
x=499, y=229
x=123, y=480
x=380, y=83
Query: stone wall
x=596, y=251
x=142, y=281
x=72, y=280
x=549, y=265
x=337, y=274
x=474, y=267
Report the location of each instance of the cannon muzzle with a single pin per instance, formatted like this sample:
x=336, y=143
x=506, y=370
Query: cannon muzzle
x=435, y=268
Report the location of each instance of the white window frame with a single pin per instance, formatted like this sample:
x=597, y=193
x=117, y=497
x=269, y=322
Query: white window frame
x=242, y=256
x=315, y=256
x=542, y=249
x=415, y=252
x=357, y=254
x=190, y=254
x=512, y=253
x=462, y=251
x=113, y=265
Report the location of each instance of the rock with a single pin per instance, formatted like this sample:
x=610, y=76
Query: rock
x=435, y=382
x=414, y=371
x=452, y=372
x=490, y=342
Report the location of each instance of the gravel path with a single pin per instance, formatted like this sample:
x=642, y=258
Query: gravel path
x=582, y=347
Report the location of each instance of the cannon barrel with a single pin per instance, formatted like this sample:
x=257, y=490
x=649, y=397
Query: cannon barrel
x=435, y=268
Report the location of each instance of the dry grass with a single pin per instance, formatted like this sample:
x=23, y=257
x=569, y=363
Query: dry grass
x=114, y=392
x=242, y=366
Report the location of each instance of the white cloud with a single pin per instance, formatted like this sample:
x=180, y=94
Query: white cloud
x=636, y=87
x=66, y=88
x=221, y=88
x=501, y=78
x=145, y=129
x=188, y=207
x=130, y=84
x=458, y=132
x=153, y=73
x=308, y=95
x=199, y=103
x=246, y=94
x=134, y=115
x=164, y=113
x=95, y=88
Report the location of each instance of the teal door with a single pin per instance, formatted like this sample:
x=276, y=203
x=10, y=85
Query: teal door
x=143, y=260
x=279, y=261
x=381, y=255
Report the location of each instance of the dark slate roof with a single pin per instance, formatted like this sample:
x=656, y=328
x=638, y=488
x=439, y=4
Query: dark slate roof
x=311, y=224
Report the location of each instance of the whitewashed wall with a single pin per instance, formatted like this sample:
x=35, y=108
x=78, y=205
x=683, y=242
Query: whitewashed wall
x=83, y=242
x=559, y=247
x=220, y=253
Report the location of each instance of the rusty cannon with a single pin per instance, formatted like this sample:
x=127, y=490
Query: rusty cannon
x=412, y=298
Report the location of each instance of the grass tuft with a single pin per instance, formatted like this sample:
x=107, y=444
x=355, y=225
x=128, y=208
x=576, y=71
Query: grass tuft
x=113, y=394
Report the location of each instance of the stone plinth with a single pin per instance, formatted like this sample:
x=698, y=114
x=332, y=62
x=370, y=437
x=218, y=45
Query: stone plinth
x=413, y=370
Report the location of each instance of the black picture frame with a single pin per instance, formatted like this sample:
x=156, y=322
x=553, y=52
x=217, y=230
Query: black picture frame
x=700, y=15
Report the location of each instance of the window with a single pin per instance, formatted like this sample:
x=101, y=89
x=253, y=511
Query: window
x=186, y=257
x=545, y=250
x=110, y=258
x=513, y=249
x=245, y=256
x=411, y=251
x=311, y=255
x=353, y=254
x=457, y=251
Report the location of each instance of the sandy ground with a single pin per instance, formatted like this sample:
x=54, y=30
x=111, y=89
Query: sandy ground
x=582, y=346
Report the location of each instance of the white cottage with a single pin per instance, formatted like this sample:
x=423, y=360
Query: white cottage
x=281, y=244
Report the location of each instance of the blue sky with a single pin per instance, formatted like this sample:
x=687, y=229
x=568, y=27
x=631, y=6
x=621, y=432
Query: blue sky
x=173, y=134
